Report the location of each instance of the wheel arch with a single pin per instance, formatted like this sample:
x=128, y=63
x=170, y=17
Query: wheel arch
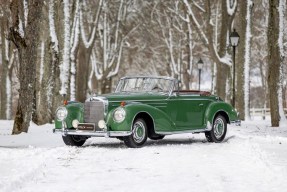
x=222, y=113
x=215, y=109
x=148, y=120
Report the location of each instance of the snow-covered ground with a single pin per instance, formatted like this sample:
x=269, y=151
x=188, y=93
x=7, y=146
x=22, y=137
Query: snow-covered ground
x=252, y=158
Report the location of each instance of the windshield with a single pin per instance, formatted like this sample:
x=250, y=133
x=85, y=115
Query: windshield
x=145, y=84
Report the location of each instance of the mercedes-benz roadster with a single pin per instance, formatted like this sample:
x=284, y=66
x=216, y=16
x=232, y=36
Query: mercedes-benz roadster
x=145, y=107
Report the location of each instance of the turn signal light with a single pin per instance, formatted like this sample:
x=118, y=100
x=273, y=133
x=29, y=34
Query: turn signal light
x=65, y=102
x=123, y=104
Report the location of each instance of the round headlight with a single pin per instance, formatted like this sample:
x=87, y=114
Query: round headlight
x=119, y=114
x=61, y=113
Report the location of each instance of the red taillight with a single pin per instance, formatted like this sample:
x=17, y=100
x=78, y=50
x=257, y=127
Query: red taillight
x=123, y=104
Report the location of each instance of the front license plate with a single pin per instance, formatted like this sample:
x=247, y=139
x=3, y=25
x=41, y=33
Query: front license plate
x=86, y=127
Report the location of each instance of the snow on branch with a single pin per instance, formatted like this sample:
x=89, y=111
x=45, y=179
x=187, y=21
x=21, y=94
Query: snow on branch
x=195, y=21
x=198, y=6
x=26, y=11
x=95, y=68
x=89, y=42
x=226, y=59
x=53, y=34
x=231, y=6
x=116, y=70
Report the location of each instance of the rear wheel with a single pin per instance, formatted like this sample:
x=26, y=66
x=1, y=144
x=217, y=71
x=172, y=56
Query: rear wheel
x=74, y=140
x=218, y=131
x=138, y=136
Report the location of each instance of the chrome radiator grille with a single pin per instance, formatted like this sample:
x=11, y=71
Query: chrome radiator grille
x=93, y=112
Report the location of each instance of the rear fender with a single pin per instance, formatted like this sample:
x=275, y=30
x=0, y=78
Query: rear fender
x=217, y=108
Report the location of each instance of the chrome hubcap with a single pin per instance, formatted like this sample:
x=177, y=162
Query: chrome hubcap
x=138, y=132
x=218, y=128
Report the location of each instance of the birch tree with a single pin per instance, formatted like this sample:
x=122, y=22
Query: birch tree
x=176, y=31
x=243, y=64
x=113, y=31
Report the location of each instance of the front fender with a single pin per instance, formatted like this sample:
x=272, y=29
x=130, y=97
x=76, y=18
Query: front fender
x=75, y=111
x=161, y=120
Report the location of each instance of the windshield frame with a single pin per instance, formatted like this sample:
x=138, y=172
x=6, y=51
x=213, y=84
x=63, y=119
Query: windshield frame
x=168, y=92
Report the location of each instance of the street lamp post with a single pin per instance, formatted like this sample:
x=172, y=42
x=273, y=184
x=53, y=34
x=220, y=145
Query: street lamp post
x=234, y=39
x=199, y=66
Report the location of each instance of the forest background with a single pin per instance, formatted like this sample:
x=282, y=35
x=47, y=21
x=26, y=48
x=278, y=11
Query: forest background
x=53, y=47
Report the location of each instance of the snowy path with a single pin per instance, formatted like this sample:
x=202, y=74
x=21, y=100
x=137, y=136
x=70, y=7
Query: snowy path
x=249, y=160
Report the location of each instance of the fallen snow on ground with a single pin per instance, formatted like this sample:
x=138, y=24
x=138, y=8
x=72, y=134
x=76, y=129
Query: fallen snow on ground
x=252, y=158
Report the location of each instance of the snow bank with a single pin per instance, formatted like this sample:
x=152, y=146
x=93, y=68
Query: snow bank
x=252, y=158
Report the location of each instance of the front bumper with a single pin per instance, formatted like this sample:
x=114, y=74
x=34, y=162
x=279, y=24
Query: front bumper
x=93, y=133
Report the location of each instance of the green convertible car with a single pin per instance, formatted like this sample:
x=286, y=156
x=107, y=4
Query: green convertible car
x=145, y=107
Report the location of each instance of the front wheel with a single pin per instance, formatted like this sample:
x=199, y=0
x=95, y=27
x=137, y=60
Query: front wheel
x=218, y=131
x=138, y=136
x=74, y=140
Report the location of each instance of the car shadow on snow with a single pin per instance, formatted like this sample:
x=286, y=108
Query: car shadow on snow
x=152, y=143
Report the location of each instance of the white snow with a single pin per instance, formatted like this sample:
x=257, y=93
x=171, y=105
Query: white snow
x=252, y=158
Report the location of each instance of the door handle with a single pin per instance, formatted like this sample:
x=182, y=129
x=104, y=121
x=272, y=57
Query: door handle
x=200, y=105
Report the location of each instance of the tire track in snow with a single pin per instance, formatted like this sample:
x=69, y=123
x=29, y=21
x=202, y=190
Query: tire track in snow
x=36, y=161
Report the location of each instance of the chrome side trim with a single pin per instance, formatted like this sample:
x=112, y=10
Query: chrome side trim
x=182, y=132
x=93, y=133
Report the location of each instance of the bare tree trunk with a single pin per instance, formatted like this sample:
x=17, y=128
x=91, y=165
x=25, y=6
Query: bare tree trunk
x=273, y=61
x=43, y=100
x=4, y=73
x=27, y=48
x=83, y=72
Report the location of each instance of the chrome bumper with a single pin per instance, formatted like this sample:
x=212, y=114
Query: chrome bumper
x=236, y=122
x=93, y=133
